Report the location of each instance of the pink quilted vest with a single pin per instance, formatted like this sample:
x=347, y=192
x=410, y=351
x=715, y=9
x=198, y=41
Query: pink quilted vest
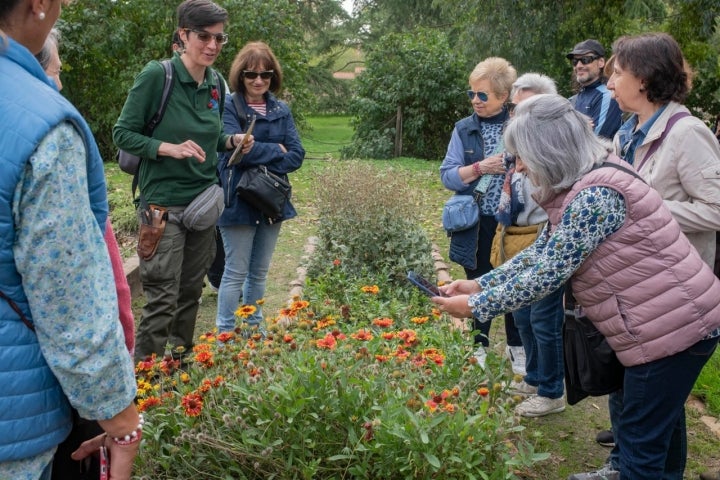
x=645, y=287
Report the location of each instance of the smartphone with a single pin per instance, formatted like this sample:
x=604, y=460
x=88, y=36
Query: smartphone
x=104, y=463
x=427, y=287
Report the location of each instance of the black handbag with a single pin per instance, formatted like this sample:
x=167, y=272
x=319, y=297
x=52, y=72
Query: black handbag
x=591, y=366
x=264, y=190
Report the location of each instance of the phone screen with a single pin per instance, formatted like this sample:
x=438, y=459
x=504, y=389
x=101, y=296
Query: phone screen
x=427, y=287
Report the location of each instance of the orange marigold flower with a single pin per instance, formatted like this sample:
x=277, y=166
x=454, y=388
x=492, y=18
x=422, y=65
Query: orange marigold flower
x=327, y=342
x=192, y=403
x=299, y=305
x=225, y=337
x=455, y=391
x=362, y=335
x=201, y=347
x=287, y=338
x=184, y=377
x=449, y=407
x=419, y=320
x=205, y=358
x=260, y=301
x=483, y=391
x=372, y=289
x=432, y=405
x=219, y=380
x=146, y=403
x=388, y=335
x=409, y=337
x=382, y=358
x=436, y=312
x=146, y=365
x=383, y=322
x=244, y=311
x=204, y=386
x=336, y=262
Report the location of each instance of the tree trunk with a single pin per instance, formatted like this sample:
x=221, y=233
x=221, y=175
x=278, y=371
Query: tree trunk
x=398, y=131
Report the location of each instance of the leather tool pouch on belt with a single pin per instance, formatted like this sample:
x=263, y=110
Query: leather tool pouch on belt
x=152, y=226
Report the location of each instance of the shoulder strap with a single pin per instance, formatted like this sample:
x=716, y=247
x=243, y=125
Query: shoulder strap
x=17, y=309
x=658, y=141
x=239, y=111
x=155, y=120
x=167, y=88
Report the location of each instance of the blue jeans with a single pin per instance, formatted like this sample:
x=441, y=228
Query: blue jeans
x=540, y=327
x=650, y=428
x=248, y=251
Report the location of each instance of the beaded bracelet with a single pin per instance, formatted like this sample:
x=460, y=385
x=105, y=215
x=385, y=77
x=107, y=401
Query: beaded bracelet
x=133, y=436
x=233, y=145
x=476, y=169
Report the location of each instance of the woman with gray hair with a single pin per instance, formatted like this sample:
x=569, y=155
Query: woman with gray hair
x=539, y=324
x=636, y=275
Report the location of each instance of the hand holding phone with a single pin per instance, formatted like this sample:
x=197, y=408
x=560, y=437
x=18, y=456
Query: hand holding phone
x=427, y=287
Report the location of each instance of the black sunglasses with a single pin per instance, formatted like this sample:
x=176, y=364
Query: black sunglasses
x=265, y=74
x=583, y=60
x=205, y=37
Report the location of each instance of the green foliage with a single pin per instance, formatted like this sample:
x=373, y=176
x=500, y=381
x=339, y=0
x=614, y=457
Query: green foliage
x=368, y=219
x=412, y=80
x=376, y=388
x=707, y=386
x=105, y=44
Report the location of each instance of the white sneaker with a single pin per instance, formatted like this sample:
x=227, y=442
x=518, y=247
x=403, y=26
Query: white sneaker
x=517, y=359
x=481, y=357
x=605, y=473
x=522, y=388
x=537, y=406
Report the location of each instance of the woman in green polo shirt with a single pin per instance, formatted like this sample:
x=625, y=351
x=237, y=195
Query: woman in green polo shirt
x=179, y=163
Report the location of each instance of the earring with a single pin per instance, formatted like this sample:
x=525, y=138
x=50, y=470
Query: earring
x=41, y=16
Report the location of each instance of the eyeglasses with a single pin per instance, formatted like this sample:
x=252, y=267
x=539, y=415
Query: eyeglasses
x=265, y=74
x=511, y=107
x=205, y=37
x=482, y=96
x=583, y=60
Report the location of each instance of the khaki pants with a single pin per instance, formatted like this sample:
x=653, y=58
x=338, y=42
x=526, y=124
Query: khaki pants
x=172, y=282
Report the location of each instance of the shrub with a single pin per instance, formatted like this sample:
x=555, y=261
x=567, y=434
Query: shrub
x=368, y=219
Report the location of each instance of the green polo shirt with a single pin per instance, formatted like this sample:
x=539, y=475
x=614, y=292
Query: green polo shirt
x=192, y=114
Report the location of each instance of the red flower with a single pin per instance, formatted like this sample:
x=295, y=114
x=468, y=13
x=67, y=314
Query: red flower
x=214, y=94
x=192, y=403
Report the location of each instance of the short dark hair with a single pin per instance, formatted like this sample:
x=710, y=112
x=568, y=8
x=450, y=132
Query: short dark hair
x=253, y=55
x=200, y=13
x=656, y=59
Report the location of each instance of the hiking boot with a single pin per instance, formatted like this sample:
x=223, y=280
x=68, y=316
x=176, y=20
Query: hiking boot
x=605, y=473
x=710, y=475
x=517, y=359
x=481, y=357
x=522, y=388
x=605, y=438
x=537, y=406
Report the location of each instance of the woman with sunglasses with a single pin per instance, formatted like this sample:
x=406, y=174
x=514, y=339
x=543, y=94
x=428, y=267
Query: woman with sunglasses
x=249, y=237
x=179, y=163
x=474, y=165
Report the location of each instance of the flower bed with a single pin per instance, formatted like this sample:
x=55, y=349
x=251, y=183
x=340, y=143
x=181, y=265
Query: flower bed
x=369, y=382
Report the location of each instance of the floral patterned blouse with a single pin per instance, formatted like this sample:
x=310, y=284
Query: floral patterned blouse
x=67, y=277
x=592, y=216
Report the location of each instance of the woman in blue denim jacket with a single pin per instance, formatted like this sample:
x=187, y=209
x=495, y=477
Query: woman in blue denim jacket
x=474, y=161
x=249, y=237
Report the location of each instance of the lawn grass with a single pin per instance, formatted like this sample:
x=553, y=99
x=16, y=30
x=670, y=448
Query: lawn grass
x=568, y=436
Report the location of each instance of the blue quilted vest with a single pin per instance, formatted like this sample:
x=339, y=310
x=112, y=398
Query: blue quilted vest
x=34, y=412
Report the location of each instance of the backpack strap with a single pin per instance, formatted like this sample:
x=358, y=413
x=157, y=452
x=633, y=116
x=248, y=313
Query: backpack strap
x=658, y=141
x=220, y=86
x=17, y=309
x=155, y=120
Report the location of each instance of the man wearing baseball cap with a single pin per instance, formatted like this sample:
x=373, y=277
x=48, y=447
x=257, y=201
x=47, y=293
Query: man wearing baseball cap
x=593, y=98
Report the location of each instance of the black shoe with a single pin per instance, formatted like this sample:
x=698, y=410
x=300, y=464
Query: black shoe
x=605, y=438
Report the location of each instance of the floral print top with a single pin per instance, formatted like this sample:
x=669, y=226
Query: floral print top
x=592, y=216
x=67, y=277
